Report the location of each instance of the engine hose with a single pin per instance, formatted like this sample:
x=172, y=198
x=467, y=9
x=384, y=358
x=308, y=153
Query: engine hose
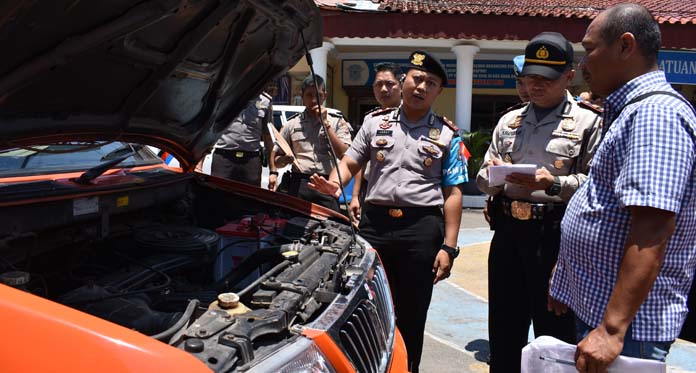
x=284, y=264
x=165, y=335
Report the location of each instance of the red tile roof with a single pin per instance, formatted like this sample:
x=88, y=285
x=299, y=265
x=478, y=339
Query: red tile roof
x=665, y=11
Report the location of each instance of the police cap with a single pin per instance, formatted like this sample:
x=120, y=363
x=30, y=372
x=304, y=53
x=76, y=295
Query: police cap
x=422, y=61
x=517, y=65
x=548, y=54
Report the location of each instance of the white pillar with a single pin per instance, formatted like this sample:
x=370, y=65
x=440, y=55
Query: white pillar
x=319, y=58
x=465, y=75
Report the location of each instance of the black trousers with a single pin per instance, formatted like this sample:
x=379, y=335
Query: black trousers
x=246, y=169
x=520, y=262
x=407, y=247
x=297, y=187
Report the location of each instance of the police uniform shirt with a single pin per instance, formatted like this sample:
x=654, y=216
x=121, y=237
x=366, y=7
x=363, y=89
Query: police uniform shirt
x=310, y=144
x=409, y=162
x=246, y=130
x=554, y=142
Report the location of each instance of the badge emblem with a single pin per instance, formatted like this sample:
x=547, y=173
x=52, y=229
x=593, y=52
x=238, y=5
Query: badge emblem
x=379, y=156
x=418, y=59
x=385, y=125
x=382, y=142
x=568, y=124
x=428, y=161
x=430, y=149
x=517, y=123
x=507, y=158
x=434, y=133
x=542, y=53
x=558, y=163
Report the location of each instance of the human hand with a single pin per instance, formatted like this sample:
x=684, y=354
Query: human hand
x=442, y=266
x=597, y=350
x=315, y=112
x=541, y=180
x=354, y=210
x=321, y=185
x=485, y=212
x=272, y=182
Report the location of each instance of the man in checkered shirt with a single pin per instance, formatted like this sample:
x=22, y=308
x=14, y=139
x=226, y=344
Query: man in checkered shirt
x=628, y=244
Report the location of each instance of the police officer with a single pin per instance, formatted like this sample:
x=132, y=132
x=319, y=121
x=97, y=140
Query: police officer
x=387, y=91
x=238, y=152
x=413, y=205
x=558, y=135
x=310, y=144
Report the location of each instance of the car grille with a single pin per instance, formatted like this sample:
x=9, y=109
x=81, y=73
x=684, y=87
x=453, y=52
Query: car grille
x=368, y=334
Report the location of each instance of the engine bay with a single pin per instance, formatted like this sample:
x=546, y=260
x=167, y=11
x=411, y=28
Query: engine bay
x=226, y=279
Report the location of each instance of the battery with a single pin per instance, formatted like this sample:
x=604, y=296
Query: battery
x=240, y=238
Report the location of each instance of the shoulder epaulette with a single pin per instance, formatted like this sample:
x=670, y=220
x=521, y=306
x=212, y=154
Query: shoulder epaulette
x=372, y=110
x=589, y=106
x=267, y=96
x=449, y=124
x=294, y=116
x=516, y=106
x=378, y=111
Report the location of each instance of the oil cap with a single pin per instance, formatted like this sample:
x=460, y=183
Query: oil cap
x=228, y=301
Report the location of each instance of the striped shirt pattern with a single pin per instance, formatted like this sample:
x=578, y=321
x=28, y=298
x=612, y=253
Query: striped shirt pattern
x=646, y=158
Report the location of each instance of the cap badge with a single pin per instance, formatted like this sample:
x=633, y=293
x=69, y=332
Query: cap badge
x=418, y=59
x=542, y=53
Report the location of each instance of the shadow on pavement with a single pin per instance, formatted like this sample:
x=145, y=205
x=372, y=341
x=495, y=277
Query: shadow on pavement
x=480, y=349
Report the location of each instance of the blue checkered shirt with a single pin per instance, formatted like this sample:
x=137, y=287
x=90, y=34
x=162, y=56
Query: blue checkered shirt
x=646, y=158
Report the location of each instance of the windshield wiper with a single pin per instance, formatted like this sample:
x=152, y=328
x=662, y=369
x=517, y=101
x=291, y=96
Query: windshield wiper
x=96, y=171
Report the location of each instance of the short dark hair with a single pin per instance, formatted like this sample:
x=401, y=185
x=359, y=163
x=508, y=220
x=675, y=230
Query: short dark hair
x=309, y=82
x=637, y=20
x=389, y=67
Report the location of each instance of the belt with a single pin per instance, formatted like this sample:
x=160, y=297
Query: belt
x=523, y=210
x=238, y=153
x=402, y=212
x=301, y=176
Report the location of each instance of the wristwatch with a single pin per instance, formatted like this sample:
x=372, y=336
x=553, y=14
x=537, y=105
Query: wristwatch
x=273, y=173
x=453, y=252
x=555, y=188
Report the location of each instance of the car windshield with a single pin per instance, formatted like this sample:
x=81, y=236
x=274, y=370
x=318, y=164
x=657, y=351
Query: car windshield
x=71, y=157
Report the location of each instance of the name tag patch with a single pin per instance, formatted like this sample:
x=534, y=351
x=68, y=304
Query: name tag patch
x=567, y=135
x=384, y=132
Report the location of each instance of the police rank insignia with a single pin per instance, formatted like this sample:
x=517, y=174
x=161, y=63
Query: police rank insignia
x=517, y=123
x=568, y=124
x=434, y=133
x=558, y=163
x=379, y=156
x=507, y=158
x=418, y=59
x=428, y=161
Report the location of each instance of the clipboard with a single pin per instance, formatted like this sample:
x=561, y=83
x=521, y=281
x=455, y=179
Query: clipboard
x=282, y=144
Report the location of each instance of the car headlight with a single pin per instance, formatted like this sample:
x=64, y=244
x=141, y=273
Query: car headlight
x=301, y=356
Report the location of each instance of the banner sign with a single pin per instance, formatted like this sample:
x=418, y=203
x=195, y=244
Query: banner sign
x=679, y=67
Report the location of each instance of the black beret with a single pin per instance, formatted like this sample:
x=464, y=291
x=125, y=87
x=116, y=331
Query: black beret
x=422, y=61
x=548, y=54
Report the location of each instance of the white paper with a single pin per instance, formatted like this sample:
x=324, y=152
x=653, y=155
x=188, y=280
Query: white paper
x=550, y=355
x=497, y=174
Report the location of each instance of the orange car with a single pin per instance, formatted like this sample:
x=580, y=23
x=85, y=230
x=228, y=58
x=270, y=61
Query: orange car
x=110, y=260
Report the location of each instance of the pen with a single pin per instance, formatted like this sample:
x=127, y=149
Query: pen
x=554, y=360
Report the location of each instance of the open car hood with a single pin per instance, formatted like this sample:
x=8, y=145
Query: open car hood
x=167, y=73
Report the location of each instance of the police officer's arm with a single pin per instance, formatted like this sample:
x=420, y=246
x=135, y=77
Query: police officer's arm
x=340, y=138
x=571, y=183
x=491, y=155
